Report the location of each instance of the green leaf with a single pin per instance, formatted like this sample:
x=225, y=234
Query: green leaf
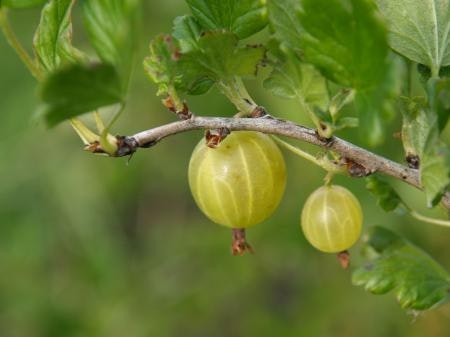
x=434, y=174
x=284, y=18
x=388, y=198
x=162, y=64
x=434, y=171
x=218, y=57
x=415, y=127
x=418, y=281
x=241, y=17
x=18, y=4
x=296, y=80
x=77, y=89
x=53, y=38
x=439, y=96
x=419, y=30
x=352, y=52
x=346, y=41
x=111, y=27
x=187, y=31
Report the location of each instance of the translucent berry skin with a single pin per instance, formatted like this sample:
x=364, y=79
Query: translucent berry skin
x=332, y=219
x=240, y=183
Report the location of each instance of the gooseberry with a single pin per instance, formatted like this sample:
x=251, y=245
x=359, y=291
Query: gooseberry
x=241, y=182
x=332, y=219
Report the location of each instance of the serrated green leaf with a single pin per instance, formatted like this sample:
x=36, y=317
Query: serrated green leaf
x=20, y=4
x=162, y=64
x=296, y=80
x=77, y=89
x=53, y=38
x=218, y=57
x=241, y=17
x=353, y=50
x=418, y=281
x=387, y=198
x=419, y=30
x=187, y=31
x=284, y=18
x=111, y=27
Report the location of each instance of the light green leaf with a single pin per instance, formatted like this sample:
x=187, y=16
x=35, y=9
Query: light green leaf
x=418, y=281
x=21, y=3
x=296, y=80
x=415, y=127
x=284, y=18
x=434, y=173
x=241, y=17
x=53, y=38
x=387, y=198
x=77, y=89
x=111, y=27
x=419, y=30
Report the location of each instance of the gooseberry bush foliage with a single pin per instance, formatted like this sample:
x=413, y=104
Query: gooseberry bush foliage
x=347, y=63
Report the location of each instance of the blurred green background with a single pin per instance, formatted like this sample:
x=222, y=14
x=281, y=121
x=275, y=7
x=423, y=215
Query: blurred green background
x=91, y=246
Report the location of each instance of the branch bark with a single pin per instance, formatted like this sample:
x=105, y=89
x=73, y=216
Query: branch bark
x=370, y=161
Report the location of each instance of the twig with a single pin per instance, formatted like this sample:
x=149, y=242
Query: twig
x=369, y=160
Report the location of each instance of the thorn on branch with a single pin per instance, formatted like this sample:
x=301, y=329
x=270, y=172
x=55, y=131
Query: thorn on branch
x=413, y=161
x=184, y=113
x=126, y=146
x=239, y=245
x=216, y=136
x=258, y=112
x=356, y=170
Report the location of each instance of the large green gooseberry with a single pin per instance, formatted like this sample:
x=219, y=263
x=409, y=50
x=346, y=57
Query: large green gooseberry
x=332, y=219
x=241, y=182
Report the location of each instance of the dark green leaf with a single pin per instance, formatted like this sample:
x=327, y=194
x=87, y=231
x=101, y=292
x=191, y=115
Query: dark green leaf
x=353, y=52
x=387, y=198
x=284, y=18
x=77, y=89
x=292, y=79
x=346, y=41
x=111, y=27
x=241, y=17
x=418, y=281
x=419, y=30
x=21, y=3
x=53, y=38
